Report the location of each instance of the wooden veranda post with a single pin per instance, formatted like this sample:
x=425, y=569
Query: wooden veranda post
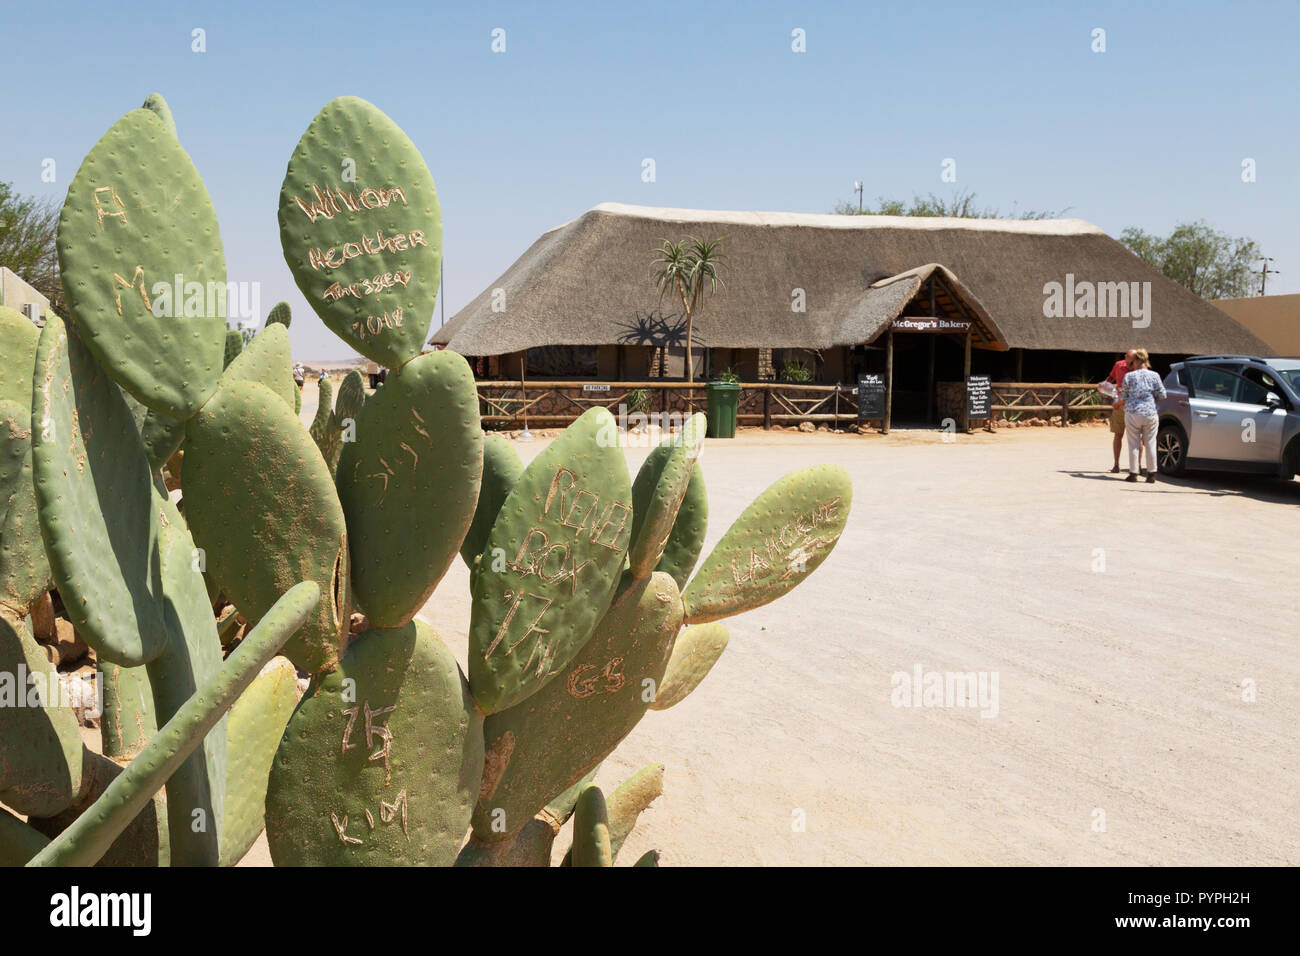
x=965, y=378
x=889, y=382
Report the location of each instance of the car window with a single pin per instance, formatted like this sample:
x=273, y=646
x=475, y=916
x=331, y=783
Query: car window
x=1265, y=379
x=1213, y=383
x=1252, y=392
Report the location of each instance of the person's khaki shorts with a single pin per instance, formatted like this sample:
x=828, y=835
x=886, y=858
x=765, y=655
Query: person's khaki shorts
x=1117, y=420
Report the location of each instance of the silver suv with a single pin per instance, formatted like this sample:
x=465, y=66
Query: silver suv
x=1231, y=413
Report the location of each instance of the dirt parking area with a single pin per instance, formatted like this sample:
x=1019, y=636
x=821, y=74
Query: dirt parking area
x=1142, y=639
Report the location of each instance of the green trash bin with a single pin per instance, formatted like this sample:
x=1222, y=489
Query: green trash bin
x=723, y=400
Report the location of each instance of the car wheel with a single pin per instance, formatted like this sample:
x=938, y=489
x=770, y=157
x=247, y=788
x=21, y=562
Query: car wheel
x=1171, y=449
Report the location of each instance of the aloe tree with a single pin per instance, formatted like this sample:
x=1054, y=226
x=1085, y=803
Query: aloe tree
x=688, y=267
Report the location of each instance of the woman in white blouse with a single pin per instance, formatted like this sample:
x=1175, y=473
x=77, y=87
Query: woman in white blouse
x=1140, y=391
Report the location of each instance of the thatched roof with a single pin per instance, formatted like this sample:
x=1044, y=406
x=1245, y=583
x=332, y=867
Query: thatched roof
x=589, y=282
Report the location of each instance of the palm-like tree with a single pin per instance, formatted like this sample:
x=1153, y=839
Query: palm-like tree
x=688, y=267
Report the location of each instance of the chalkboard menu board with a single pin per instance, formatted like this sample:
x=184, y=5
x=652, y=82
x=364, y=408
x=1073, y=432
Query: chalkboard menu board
x=979, y=397
x=871, y=396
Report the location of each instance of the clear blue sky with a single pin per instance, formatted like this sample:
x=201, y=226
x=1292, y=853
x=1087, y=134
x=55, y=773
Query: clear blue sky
x=1149, y=133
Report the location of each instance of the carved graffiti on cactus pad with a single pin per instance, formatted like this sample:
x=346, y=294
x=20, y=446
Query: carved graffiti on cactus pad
x=135, y=282
x=576, y=505
x=107, y=195
x=580, y=685
x=792, y=546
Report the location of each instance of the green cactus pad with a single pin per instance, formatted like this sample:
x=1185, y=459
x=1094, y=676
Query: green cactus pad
x=542, y=746
x=501, y=471
x=94, y=494
x=697, y=649
x=87, y=839
x=281, y=314
x=18, y=841
x=658, y=491
x=551, y=563
x=128, y=229
x=361, y=230
x=24, y=570
x=686, y=540
x=650, y=858
x=234, y=344
x=262, y=505
x=253, y=732
x=409, y=483
x=190, y=659
x=156, y=103
x=591, y=845
x=40, y=769
x=129, y=721
x=626, y=804
x=162, y=436
x=18, y=338
x=321, y=428
x=381, y=761
x=777, y=541
x=267, y=359
x=142, y=843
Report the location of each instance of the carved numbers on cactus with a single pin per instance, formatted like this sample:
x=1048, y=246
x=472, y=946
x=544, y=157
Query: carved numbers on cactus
x=779, y=540
x=381, y=761
x=129, y=230
x=550, y=565
x=365, y=249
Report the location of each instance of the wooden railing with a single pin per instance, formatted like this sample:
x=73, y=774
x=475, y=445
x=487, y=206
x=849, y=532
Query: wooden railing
x=760, y=403
x=512, y=403
x=1034, y=397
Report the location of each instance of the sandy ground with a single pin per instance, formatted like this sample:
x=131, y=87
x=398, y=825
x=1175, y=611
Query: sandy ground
x=1121, y=734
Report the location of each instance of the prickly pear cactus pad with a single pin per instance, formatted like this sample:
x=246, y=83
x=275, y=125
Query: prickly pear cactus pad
x=94, y=495
x=658, y=492
x=266, y=359
x=281, y=314
x=261, y=503
x=381, y=761
x=696, y=650
x=24, y=570
x=538, y=748
x=18, y=338
x=777, y=541
x=686, y=540
x=143, y=268
x=40, y=773
x=501, y=469
x=156, y=103
x=361, y=230
x=409, y=482
x=551, y=563
x=253, y=732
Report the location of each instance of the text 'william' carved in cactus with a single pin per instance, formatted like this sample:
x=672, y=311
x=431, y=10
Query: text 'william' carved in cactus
x=570, y=507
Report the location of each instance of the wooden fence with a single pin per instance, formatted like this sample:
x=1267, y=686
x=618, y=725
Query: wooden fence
x=545, y=403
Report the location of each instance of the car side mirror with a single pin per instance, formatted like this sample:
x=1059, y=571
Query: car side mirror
x=1273, y=400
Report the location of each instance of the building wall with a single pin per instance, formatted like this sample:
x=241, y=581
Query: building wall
x=15, y=293
x=1274, y=318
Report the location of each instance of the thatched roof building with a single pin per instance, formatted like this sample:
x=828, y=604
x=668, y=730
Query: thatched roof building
x=588, y=282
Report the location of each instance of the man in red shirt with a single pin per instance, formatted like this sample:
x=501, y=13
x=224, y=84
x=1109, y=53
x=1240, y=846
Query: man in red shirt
x=1116, y=378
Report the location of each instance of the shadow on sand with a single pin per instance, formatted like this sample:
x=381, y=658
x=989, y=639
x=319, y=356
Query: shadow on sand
x=1218, y=484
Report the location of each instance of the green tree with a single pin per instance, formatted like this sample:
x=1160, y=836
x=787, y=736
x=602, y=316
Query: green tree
x=689, y=267
x=28, y=227
x=1206, y=262
x=962, y=205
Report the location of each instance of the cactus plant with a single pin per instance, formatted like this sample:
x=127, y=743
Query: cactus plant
x=585, y=612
